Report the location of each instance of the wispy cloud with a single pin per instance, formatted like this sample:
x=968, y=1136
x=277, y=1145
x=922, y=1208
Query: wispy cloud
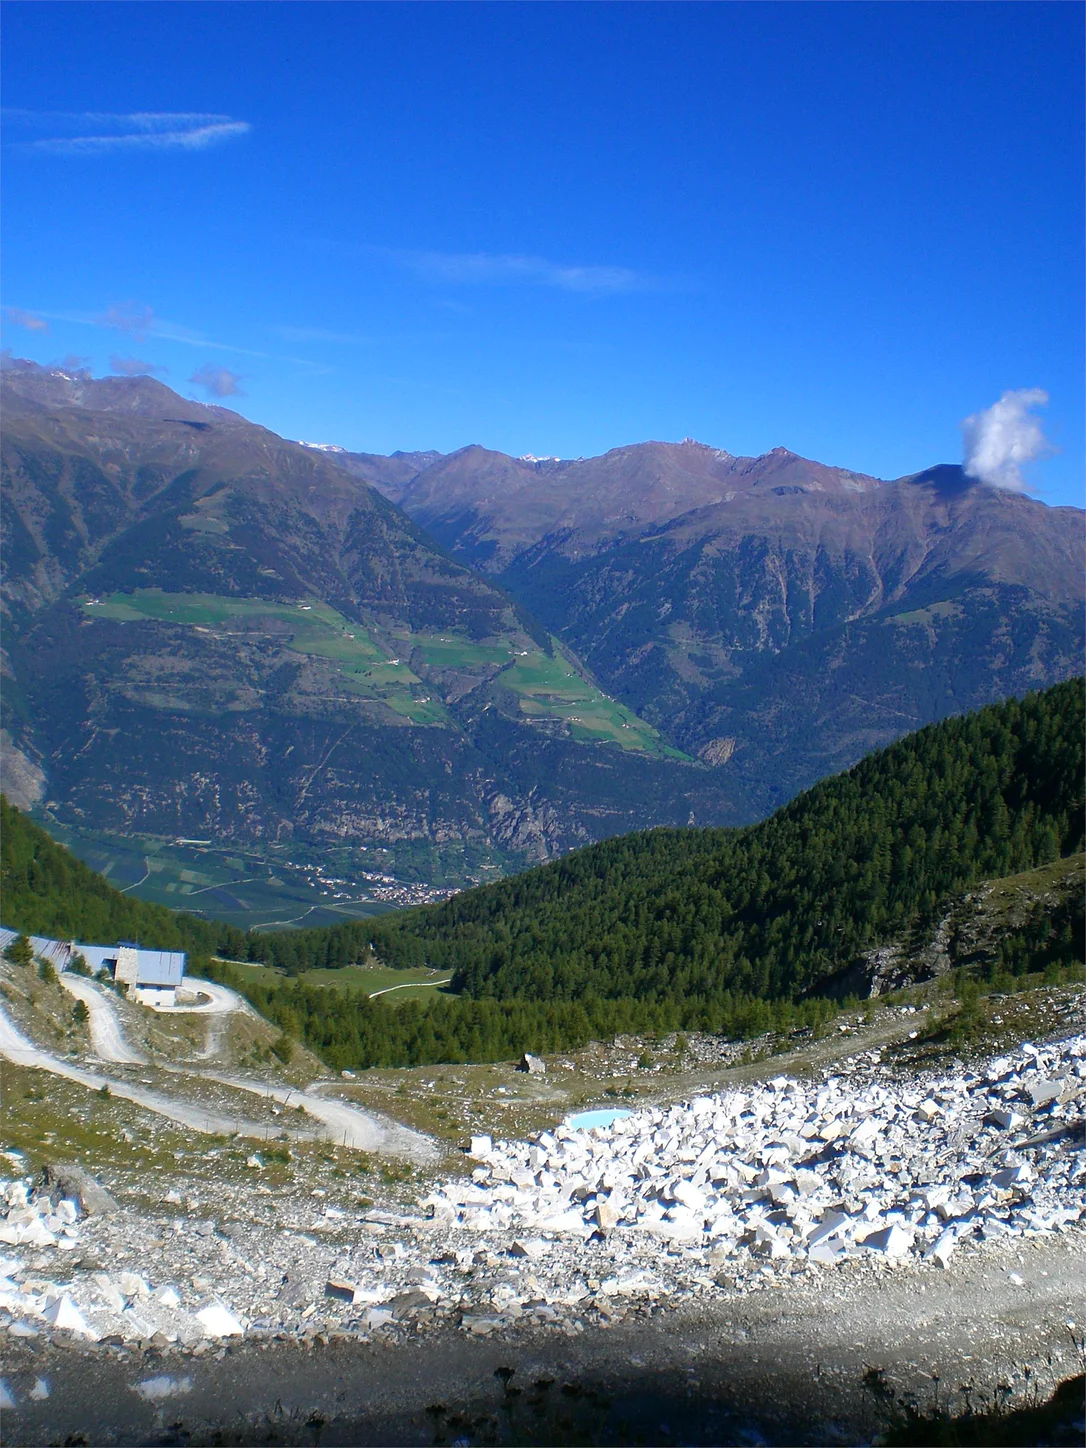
x=218, y=381
x=140, y=321
x=135, y=367
x=90, y=133
x=482, y=268
x=32, y=323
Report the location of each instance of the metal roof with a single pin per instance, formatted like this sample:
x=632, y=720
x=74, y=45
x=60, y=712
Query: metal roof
x=55, y=951
x=153, y=967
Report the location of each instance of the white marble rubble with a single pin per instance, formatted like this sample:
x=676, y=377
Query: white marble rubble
x=722, y=1194
x=790, y=1172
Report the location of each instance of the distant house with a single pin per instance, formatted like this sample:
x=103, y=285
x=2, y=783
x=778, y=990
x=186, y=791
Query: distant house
x=152, y=977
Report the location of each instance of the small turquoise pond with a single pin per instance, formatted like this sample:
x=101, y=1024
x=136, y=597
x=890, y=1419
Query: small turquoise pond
x=604, y=1117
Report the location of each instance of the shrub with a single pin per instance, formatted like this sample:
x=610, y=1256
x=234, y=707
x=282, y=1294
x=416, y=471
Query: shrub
x=283, y=1047
x=19, y=952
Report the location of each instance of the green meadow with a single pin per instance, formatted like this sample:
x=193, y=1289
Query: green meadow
x=397, y=985
x=547, y=686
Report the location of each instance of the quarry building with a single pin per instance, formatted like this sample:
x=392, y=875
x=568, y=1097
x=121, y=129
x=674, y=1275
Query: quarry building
x=152, y=977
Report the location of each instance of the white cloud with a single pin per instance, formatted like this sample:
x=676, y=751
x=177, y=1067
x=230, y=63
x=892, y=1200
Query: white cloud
x=88, y=133
x=135, y=367
x=999, y=440
x=140, y=321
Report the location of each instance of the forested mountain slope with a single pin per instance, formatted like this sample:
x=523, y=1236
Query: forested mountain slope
x=45, y=890
x=774, y=910
x=212, y=632
x=774, y=616
x=737, y=931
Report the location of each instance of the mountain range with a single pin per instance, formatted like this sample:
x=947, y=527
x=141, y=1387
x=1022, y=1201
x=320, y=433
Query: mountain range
x=214, y=632
x=771, y=614
x=211, y=631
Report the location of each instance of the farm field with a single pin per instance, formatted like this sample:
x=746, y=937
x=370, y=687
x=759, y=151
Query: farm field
x=393, y=668
x=552, y=687
x=364, y=667
x=247, y=889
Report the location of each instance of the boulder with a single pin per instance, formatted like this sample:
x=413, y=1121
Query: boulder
x=532, y=1064
x=606, y=1215
x=892, y=1241
x=533, y=1248
x=64, y=1314
x=218, y=1321
x=61, y=1181
x=1042, y=1092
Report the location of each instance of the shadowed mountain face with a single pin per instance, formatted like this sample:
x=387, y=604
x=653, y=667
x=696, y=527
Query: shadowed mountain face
x=775, y=616
x=213, y=632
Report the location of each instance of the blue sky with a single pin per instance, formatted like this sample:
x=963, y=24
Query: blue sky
x=838, y=228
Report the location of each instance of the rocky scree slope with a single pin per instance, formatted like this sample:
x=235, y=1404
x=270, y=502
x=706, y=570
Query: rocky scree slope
x=776, y=616
x=282, y=652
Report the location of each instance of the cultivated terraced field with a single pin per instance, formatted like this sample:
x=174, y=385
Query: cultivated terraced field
x=413, y=674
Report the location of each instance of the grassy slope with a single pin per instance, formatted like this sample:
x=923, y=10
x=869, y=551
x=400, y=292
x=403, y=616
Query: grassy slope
x=370, y=665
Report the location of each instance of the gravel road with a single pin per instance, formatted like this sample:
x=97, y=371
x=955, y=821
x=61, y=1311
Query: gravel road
x=107, y=1039
x=15, y=1047
x=342, y=1123
x=779, y=1366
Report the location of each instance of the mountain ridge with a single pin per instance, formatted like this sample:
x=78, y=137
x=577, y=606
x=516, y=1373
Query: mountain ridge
x=283, y=653
x=772, y=614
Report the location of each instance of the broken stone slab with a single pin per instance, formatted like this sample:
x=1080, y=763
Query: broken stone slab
x=63, y=1313
x=62, y=1180
x=1013, y=1176
x=1042, y=1092
x=892, y=1241
x=1005, y=1120
x=481, y=1146
x=831, y=1225
x=218, y=1321
x=607, y=1215
x=533, y=1248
